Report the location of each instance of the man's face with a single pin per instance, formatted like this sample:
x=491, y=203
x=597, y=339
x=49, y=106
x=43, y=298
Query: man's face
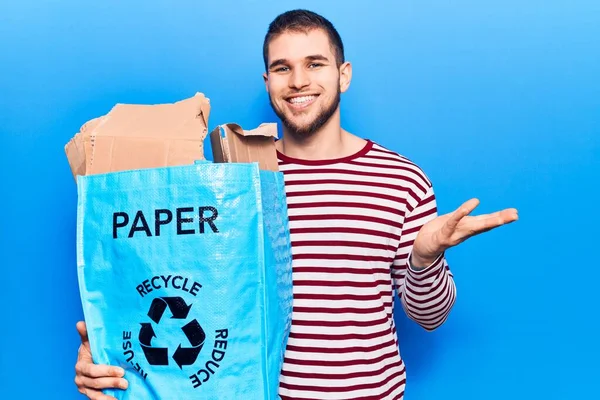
x=303, y=80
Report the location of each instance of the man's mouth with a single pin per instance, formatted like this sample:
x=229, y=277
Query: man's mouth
x=299, y=102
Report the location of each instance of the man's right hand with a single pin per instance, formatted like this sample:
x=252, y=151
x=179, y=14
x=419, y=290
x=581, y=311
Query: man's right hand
x=91, y=378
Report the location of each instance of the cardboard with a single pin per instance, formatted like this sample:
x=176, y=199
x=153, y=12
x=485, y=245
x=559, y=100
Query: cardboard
x=133, y=136
x=79, y=146
x=76, y=155
x=231, y=143
x=86, y=137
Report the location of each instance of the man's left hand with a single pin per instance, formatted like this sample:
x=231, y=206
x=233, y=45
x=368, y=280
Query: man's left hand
x=453, y=228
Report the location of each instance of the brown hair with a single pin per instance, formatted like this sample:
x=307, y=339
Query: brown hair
x=303, y=21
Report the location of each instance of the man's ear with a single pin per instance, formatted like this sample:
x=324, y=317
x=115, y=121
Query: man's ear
x=345, y=76
x=266, y=79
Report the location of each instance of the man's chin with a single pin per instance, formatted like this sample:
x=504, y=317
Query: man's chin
x=305, y=123
x=299, y=128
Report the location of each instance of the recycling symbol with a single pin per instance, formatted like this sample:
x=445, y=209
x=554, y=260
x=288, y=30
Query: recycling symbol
x=192, y=330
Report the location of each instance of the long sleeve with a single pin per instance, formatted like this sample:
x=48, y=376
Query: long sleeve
x=429, y=294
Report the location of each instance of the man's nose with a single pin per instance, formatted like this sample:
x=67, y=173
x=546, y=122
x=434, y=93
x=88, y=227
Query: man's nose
x=299, y=79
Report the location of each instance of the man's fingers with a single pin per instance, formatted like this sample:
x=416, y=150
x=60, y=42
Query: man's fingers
x=465, y=209
x=95, y=394
x=98, y=371
x=82, y=330
x=503, y=217
x=84, y=355
x=509, y=215
x=91, y=378
x=458, y=228
x=500, y=218
x=487, y=222
x=101, y=383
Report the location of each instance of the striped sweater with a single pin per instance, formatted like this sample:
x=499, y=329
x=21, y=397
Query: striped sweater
x=352, y=224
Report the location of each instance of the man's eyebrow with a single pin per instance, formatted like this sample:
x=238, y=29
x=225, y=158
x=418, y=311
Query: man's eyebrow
x=281, y=61
x=317, y=57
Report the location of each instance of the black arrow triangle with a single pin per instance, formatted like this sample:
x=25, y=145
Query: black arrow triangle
x=146, y=334
x=156, y=355
x=178, y=307
x=157, y=309
x=194, y=333
x=188, y=355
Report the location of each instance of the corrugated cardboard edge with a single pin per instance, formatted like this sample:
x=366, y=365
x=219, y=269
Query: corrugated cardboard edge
x=231, y=143
x=80, y=149
x=87, y=131
x=179, y=149
x=76, y=155
x=75, y=148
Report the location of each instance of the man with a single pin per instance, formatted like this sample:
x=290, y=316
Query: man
x=363, y=225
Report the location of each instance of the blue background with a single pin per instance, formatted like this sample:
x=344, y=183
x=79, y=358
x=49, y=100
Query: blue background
x=498, y=100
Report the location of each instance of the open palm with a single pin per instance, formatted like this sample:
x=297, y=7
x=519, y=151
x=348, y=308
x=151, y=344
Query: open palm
x=451, y=229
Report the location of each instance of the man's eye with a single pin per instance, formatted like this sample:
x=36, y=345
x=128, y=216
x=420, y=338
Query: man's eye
x=281, y=69
x=315, y=65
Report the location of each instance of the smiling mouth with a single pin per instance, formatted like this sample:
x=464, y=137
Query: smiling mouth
x=299, y=102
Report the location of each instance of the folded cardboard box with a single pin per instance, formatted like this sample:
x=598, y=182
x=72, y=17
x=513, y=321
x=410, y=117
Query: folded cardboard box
x=231, y=143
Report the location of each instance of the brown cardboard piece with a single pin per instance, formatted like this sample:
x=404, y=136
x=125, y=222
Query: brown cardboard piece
x=79, y=148
x=76, y=155
x=88, y=142
x=135, y=136
x=244, y=146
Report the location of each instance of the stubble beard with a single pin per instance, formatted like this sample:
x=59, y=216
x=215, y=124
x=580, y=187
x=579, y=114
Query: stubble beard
x=309, y=129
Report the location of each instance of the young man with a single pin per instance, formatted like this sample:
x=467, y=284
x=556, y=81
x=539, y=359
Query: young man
x=364, y=226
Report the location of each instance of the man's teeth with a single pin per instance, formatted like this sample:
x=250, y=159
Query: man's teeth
x=300, y=100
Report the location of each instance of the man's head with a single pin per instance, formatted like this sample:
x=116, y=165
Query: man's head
x=305, y=70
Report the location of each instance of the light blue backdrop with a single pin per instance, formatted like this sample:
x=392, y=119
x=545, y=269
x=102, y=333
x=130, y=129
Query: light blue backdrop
x=494, y=99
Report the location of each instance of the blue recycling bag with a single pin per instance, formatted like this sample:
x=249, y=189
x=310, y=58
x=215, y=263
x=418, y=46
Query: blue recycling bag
x=185, y=279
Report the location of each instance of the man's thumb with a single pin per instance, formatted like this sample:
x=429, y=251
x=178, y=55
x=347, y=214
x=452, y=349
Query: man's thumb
x=82, y=330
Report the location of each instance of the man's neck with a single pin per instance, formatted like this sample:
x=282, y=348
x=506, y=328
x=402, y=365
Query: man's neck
x=329, y=142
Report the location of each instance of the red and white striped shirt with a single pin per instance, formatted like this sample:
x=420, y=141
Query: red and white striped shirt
x=352, y=224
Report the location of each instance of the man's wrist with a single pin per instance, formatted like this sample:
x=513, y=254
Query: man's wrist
x=418, y=263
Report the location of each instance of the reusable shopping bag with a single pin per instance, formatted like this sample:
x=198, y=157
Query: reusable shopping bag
x=185, y=278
